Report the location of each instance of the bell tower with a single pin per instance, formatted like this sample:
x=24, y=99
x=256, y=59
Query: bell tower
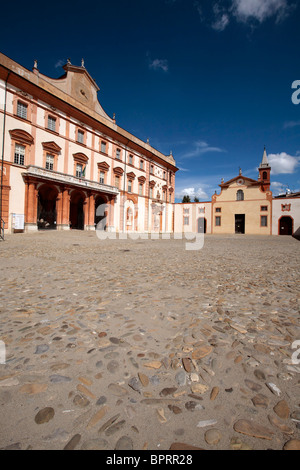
x=265, y=172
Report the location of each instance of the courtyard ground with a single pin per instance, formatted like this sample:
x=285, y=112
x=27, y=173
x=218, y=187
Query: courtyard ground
x=143, y=345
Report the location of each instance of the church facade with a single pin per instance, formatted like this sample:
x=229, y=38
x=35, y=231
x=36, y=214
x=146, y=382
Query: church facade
x=243, y=206
x=67, y=165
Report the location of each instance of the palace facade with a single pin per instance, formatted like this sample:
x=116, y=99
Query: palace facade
x=67, y=165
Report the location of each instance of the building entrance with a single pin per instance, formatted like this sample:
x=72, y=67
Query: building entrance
x=76, y=211
x=286, y=226
x=201, y=225
x=239, y=223
x=46, y=209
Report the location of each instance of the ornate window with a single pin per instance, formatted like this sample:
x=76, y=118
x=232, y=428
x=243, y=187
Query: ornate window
x=51, y=153
x=80, y=163
x=21, y=144
x=103, y=168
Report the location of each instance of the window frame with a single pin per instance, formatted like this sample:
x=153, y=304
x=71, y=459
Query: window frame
x=48, y=157
x=23, y=105
x=19, y=154
x=264, y=217
x=240, y=192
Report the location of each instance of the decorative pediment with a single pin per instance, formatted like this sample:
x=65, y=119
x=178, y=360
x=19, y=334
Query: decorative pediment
x=152, y=184
x=21, y=136
x=142, y=179
x=118, y=171
x=240, y=181
x=165, y=187
x=103, y=166
x=80, y=157
x=131, y=175
x=51, y=147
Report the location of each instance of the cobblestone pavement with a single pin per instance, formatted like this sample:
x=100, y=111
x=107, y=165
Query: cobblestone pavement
x=141, y=344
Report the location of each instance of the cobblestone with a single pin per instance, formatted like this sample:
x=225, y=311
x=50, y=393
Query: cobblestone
x=121, y=344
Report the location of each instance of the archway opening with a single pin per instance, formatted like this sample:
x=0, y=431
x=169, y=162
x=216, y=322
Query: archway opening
x=76, y=210
x=46, y=208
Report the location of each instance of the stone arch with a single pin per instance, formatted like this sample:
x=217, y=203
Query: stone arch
x=46, y=206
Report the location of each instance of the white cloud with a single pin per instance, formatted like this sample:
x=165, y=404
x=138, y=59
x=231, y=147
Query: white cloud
x=221, y=18
x=201, y=147
x=59, y=63
x=245, y=11
x=260, y=10
x=192, y=192
x=283, y=163
x=221, y=22
x=159, y=64
x=291, y=124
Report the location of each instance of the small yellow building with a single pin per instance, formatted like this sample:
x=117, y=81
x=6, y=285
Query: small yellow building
x=244, y=205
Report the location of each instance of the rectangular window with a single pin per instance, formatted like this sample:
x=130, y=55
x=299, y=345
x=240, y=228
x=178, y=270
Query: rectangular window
x=263, y=220
x=140, y=189
x=103, y=147
x=117, y=181
x=118, y=154
x=130, y=160
x=263, y=208
x=151, y=193
x=129, y=186
x=186, y=220
x=51, y=123
x=78, y=170
x=164, y=196
x=102, y=176
x=80, y=136
x=22, y=110
x=218, y=209
x=151, y=170
x=218, y=221
x=19, y=157
x=49, y=161
x=186, y=211
x=141, y=165
x=201, y=210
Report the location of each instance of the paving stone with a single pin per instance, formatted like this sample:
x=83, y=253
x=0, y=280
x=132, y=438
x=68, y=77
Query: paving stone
x=178, y=347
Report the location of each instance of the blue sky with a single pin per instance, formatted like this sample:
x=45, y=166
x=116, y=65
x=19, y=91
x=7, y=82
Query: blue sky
x=210, y=81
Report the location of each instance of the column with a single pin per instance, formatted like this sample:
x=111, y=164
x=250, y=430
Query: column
x=65, y=217
x=32, y=197
x=91, y=212
x=59, y=210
